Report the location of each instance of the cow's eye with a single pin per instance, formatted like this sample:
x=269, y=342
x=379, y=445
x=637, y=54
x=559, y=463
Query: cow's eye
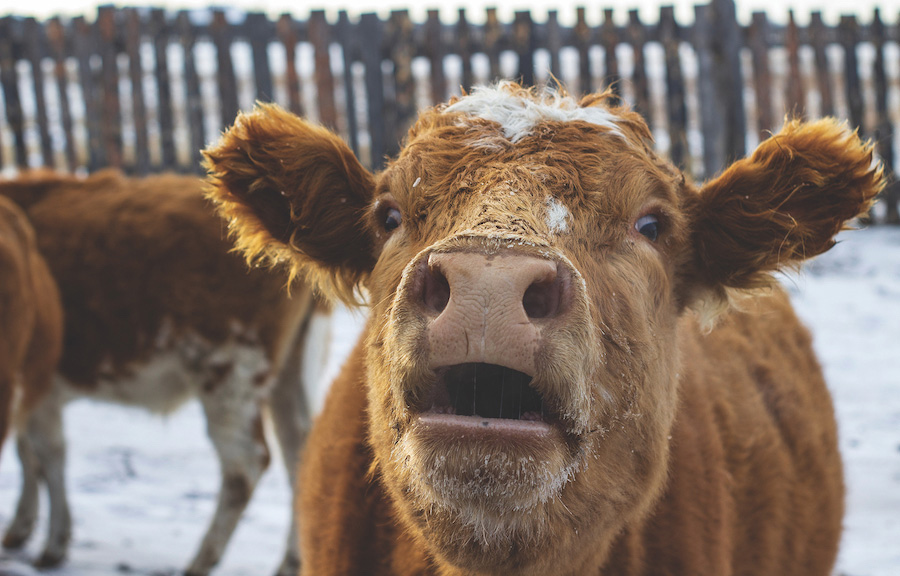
x=648, y=226
x=392, y=219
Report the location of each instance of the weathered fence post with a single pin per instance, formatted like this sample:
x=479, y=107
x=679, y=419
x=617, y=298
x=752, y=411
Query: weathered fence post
x=819, y=35
x=193, y=102
x=319, y=33
x=346, y=38
x=35, y=38
x=260, y=32
x=757, y=38
x=111, y=128
x=730, y=83
x=371, y=33
x=609, y=38
x=286, y=31
x=884, y=129
x=464, y=46
x=402, y=49
x=796, y=94
x=60, y=48
x=849, y=39
x=637, y=37
x=220, y=30
x=582, y=44
x=434, y=50
x=133, y=34
x=10, y=34
x=676, y=107
x=523, y=44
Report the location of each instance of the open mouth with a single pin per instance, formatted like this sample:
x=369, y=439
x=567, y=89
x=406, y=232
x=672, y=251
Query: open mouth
x=487, y=391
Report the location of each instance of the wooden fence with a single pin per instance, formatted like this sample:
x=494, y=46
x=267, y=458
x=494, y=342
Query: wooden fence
x=145, y=90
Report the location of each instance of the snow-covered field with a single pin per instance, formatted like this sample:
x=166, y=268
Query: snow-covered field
x=143, y=488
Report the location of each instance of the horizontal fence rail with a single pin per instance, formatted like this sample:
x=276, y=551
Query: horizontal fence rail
x=144, y=89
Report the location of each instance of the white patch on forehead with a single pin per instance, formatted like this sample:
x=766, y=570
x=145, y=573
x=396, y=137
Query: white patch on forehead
x=518, y=113
x=557, y=215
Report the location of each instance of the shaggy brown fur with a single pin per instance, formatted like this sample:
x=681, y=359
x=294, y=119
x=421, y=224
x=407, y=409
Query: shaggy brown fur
x=159, y=310
x=30, y=320
x=665, y=449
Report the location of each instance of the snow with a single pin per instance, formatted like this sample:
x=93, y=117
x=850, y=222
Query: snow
x=143, y=488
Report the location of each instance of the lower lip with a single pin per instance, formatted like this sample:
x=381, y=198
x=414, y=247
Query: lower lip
x=478, y=427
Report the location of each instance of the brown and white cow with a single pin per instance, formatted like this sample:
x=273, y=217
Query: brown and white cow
x=540, y=388
x=159, y=311
x=31, y=321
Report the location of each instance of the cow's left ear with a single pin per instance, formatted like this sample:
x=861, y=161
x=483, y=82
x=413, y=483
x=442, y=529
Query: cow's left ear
x=781, y=205
x=292, y=191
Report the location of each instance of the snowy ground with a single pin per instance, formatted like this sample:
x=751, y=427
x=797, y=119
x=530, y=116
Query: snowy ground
x=143, y=488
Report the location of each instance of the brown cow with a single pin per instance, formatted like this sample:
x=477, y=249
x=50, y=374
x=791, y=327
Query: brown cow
x=540, y=388
x=158, y=311
x=31, y=321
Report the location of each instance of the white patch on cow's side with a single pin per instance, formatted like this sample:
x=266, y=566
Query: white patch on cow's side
x=557, y=216
x=518, y=114
x=180, y=370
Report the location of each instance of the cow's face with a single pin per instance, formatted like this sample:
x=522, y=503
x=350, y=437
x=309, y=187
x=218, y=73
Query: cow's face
x=527, y=260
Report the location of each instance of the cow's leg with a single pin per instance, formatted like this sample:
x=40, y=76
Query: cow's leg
x=44, y=432
x=22, y=525
x=291, y=412
x=234, y=423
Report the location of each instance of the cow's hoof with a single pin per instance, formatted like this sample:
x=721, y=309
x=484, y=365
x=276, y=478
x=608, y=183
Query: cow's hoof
x=13, y=540
x=50, y=559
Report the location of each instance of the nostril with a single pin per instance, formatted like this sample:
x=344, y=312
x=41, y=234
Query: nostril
x=436, y=289
x=542, y=299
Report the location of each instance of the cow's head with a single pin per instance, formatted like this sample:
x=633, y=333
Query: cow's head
x=527, y=258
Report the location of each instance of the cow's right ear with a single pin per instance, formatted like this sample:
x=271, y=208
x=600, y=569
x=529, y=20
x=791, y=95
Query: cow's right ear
x=292, y=191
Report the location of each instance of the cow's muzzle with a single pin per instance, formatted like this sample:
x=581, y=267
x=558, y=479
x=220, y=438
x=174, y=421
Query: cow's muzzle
x=488, y=318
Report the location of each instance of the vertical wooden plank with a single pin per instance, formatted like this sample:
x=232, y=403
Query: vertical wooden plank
x=848, y=35
x=259, y=31
x=554, y=43
x=819, y=36
x=320, y=38
x=435, y=51
x=493, y=34
x=675, y=104
x=35, y=39
x=346, y=37
x=136, y=74
x=193, y=100
x=59, y=48
x=108, y=28
x=637, y=36
x=222, y=35
x=582, y=44
x=371, y=34
x=884, y=130
x=523, y=44
x=757, y=39
x=711, y=107
x=10, y=33
x=464, y=45
x=729, y=39
x=796, y=103
x=402, y=50
x=160, y=32
x=85, y=45
x=609, y=37
x=287, y=35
